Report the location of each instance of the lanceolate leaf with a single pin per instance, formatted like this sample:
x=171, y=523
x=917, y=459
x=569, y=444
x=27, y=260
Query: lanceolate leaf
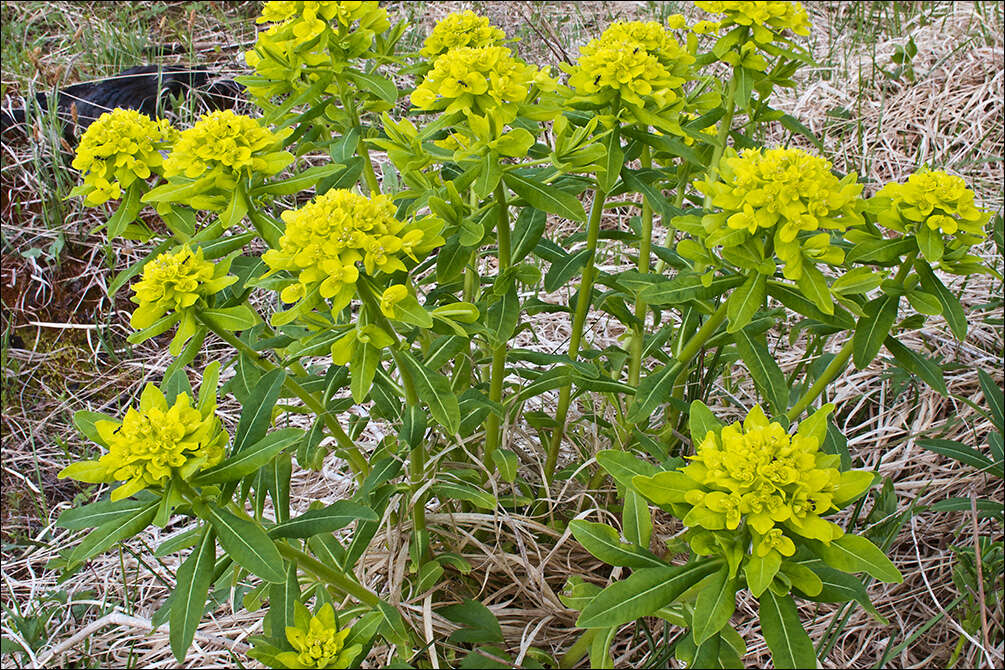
x=434, y=390
x=952, y=310
x=957, y=451
x=547, y=198
x=327, y=520
x=925, y=368
x=623, y=466
x=853, y=553
x=257, y=414
x=602, y=541
x=762, y=366
x=790, y=645
x=194, y=579
x=248, y=545
x=636, y=520
x=96, y=514
x=527, y=232
x=107, y=534
x=564, y=268
x=251, y=458
x=716, y=603
x=652, y=391
x=995, y=399
x=744, y=302
x=642, y=593
x=873, y=329
x=362, y=368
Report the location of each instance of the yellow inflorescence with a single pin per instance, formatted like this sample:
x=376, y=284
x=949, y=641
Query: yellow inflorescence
x=759, y=474
x=325, y=239
x=480, y=82
x=634, y=60
x=461, y=29
x=782, y=191
x=119, y=148
x=152, y=442
x=762, y=17
x=227, y=142
x=172, y=282
x=320, y=644
x=940, y=201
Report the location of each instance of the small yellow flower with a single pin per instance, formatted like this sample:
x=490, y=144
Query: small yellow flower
x=762, y=17
x=153, y=442
x=317, y=642
x=939, y=201
x=119, y=148
x=461, y=29
x=173, y=282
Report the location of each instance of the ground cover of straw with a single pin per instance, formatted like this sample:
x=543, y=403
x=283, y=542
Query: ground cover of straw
x=63, y=350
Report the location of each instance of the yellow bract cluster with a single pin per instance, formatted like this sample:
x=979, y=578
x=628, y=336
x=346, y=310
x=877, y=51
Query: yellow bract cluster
x=781, y=191
x=939, y=201
x=325, y=239
x=762, y=17
x=319, y=643
x=151, y=443
x=482, y=82
x=229, y=143
x=461, y=29
x=119, y=148
x=759, y=474
x=633, y=61
x=173, y=282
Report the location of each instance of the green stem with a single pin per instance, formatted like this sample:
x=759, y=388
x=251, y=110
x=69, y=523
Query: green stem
x=722, y=139
x=578, y=322
x=645, y=255
x=329, y=575
x=356, y=459
x=368, y=174
x=579, y=648
x=498, y=370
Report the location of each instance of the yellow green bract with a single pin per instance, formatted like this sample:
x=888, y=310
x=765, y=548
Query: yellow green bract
x=152, y=442
x=939, y=201
x=762, y=17
x=119, y=148
x=325, y=239
x=318, y=643
x=483, y=83
x=781, y=192
x=461, y=29
x=636, y=63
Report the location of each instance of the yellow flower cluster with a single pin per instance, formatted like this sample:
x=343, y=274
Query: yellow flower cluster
x=173, y=282
x=461, y=29
x=762, y=17
x=151, y=443
x=481, y=82
x=326, y=238
x=119, y=148
x=308, y=39
x=632, y=61
x=228, y=143
x=781, y=191
x=318, y=643
x=936, y=200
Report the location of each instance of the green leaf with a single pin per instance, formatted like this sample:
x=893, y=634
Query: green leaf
x=194, y=579
x=715, y=605
x=235, y=210
x=467, y=492
x=853, y=553
x=478, y=622
x=767, y=375
x=952, y=310
x=506, y=462
x=126, y=212
x=760, y=570
x=959, y=452
x=248, y=544
x=380, y=86
x=300, y=181
x=744, y=302
x=636, y=520
x=873, y=328
x=451, y=259
x=685, y=287
x=256, y=417
x=612, y=162
x=85, y=422
x=603, y=542
x=623, y=466
x=110, y=532
x=922, y=366
x=789, y=644
x=434, y=390
x=814, y=286
x=563, y=269
x=502, y=318
x=840, y=587
x=410, y=311
x=240, y=317
x=744, y=86
x=653, y=390
x=793, y=125
x=326, y=520
x=930, y=243
x=489, y=174
x=362, y=368
x=995, y=399
x=283, y=599
x=99, y=513
x=600, y=648
x=701, y=420
x=250, y=458
x=797, y=302
x=645, y=591
x=527, y=232
x=547, y=198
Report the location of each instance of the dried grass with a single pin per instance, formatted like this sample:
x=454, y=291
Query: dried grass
x=950, y=116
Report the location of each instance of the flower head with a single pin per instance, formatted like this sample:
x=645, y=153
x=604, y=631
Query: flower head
x=635, y=62
x=481, y=82
x=762, y=17
x=153, y=442
x=782, y=193
x=122, y=146
x=461, y=29
x=317, y=641
x=326, y=239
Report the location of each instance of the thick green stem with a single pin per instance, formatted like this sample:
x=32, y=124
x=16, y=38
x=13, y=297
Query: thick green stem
x=356, y=459
x=368, y=174
x=498, y=371
x=329, y=575
x=837, y=363
x=645, y=255
x=725, y=125
x=578, y=322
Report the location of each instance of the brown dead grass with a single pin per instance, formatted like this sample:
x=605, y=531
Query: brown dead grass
x=69, y=356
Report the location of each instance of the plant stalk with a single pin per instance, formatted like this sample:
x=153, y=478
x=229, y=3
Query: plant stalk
x=645, y=255
x=578, y=322
x=327, y=574
x=498, y=370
